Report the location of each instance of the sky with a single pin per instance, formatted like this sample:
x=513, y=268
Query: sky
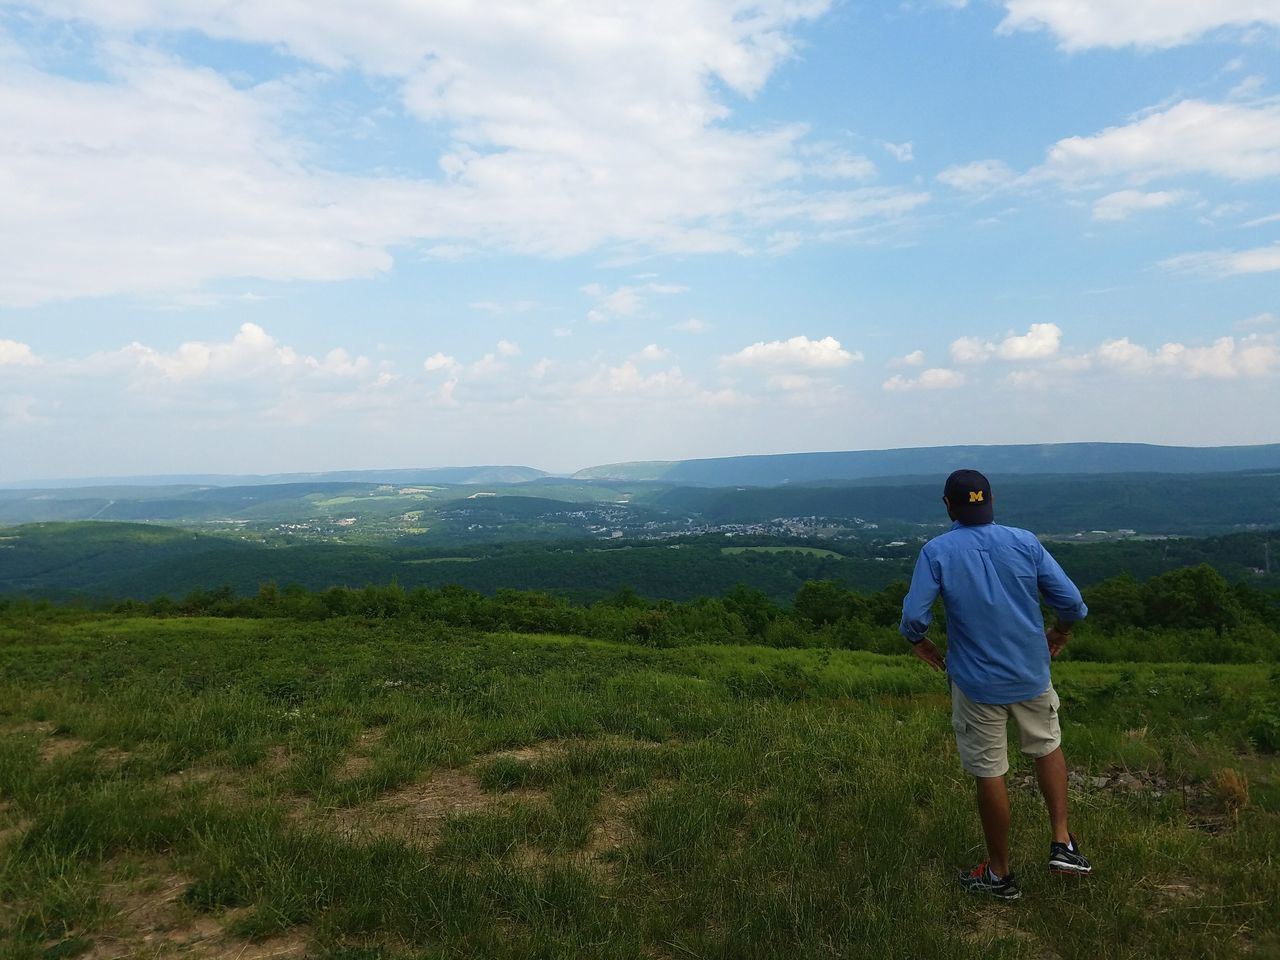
x=239, y=237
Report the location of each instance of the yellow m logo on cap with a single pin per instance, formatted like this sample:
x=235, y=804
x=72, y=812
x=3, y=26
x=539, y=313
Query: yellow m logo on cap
x=975, y=496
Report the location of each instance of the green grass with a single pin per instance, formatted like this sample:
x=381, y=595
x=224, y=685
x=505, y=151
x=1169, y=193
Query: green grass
x=361, y=789
x=809, y=551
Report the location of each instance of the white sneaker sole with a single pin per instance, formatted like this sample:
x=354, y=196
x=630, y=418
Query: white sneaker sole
x=1073, y=869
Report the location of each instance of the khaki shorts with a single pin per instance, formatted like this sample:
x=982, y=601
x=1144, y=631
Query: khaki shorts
x=981, y=730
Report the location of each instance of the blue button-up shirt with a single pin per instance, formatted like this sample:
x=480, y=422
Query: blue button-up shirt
x=991, y=578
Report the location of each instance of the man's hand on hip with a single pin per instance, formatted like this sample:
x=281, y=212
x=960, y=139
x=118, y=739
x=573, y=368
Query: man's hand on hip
x=1057, y=639
x=927, y=652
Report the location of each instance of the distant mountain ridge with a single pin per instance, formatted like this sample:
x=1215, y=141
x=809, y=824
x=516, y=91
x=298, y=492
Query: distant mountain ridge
x=1049, y=458
x=481, y=474
x=762, y=470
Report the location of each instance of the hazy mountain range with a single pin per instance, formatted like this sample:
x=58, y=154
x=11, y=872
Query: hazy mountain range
x=774, y=469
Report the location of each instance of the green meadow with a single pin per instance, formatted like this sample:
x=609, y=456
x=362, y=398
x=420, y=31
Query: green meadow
x=362, y=788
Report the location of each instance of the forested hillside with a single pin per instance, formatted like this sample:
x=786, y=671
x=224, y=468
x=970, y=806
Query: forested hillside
x=144, y=560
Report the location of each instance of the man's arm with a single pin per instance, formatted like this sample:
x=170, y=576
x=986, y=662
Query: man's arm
x=1063, y=596
x=917, y=612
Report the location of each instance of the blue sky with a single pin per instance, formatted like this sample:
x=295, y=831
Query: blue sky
x=240, y=237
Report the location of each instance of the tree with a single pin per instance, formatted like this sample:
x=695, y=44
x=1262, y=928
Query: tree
x=1191, y=597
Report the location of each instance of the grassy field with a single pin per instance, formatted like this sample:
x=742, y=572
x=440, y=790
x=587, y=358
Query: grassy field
x=353, y=789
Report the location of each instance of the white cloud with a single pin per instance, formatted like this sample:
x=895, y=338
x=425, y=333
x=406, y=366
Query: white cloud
x=797, y=352
x=790, y=382
x=1234, y=141
x=16, y=354
x=692, y=325
x=1124, y=203
x=19, y=411
x=507, y=348
x=726, y=397
x=610, y=129
x=339, y=363
x=902, y=152
x=971, y=350
x=1026, y=379
x=626, y=380
x=625, y=301
x=250, y=379
x=913, y=359
x=935, y=378
x=439, y=361
x=1226, y=358
x=832, y=163
x=1040, y=342
x=1248, y=87
x=1259, y=321
x=167, y=177
x=1227, y=263
x=978, y=175
x=250, y=353
x=1259, y=221
x=496, y=308
x=1076, y=363
x=487, y=367
x=651, y=352
x=1227, y=140
x=1080, y=24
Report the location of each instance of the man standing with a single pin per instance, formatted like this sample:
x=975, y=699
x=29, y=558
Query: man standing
x=991, y=578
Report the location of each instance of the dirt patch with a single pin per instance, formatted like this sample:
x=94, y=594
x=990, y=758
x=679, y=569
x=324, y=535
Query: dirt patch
x=191, y=775
x=13, y=832
x=360, y=760
x=1121, y=781
x=444, y=793
x=988, y=927
x=353, y=767
x=613, y=827
x=53, y=746
x=531, y=753
x=148, y=918
x=612, y=830
x=552, y=749
x=42, y=728
x=415, y=812
x=1176, y=891
x=220, y=784
x=56, y=748
x=276, y=758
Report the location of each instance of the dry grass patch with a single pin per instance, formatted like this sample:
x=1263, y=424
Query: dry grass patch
x=554, y=749
x=148, y=918
x=416, y=812
x=614, y=826
x=990, y=925
x=360, y=760
x=1173, y=892
x=53, y=746
x=13, y=832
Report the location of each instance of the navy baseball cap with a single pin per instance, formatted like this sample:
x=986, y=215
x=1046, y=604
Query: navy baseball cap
x=969, y=494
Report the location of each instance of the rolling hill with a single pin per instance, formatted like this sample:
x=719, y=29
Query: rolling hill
x=1049, y=458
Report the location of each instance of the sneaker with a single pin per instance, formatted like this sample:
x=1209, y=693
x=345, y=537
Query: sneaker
x=1067, y=858
x=981, y=880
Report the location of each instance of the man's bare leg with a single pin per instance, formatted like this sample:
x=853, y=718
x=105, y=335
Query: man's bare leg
x=1051, y=774
x=993, y=809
